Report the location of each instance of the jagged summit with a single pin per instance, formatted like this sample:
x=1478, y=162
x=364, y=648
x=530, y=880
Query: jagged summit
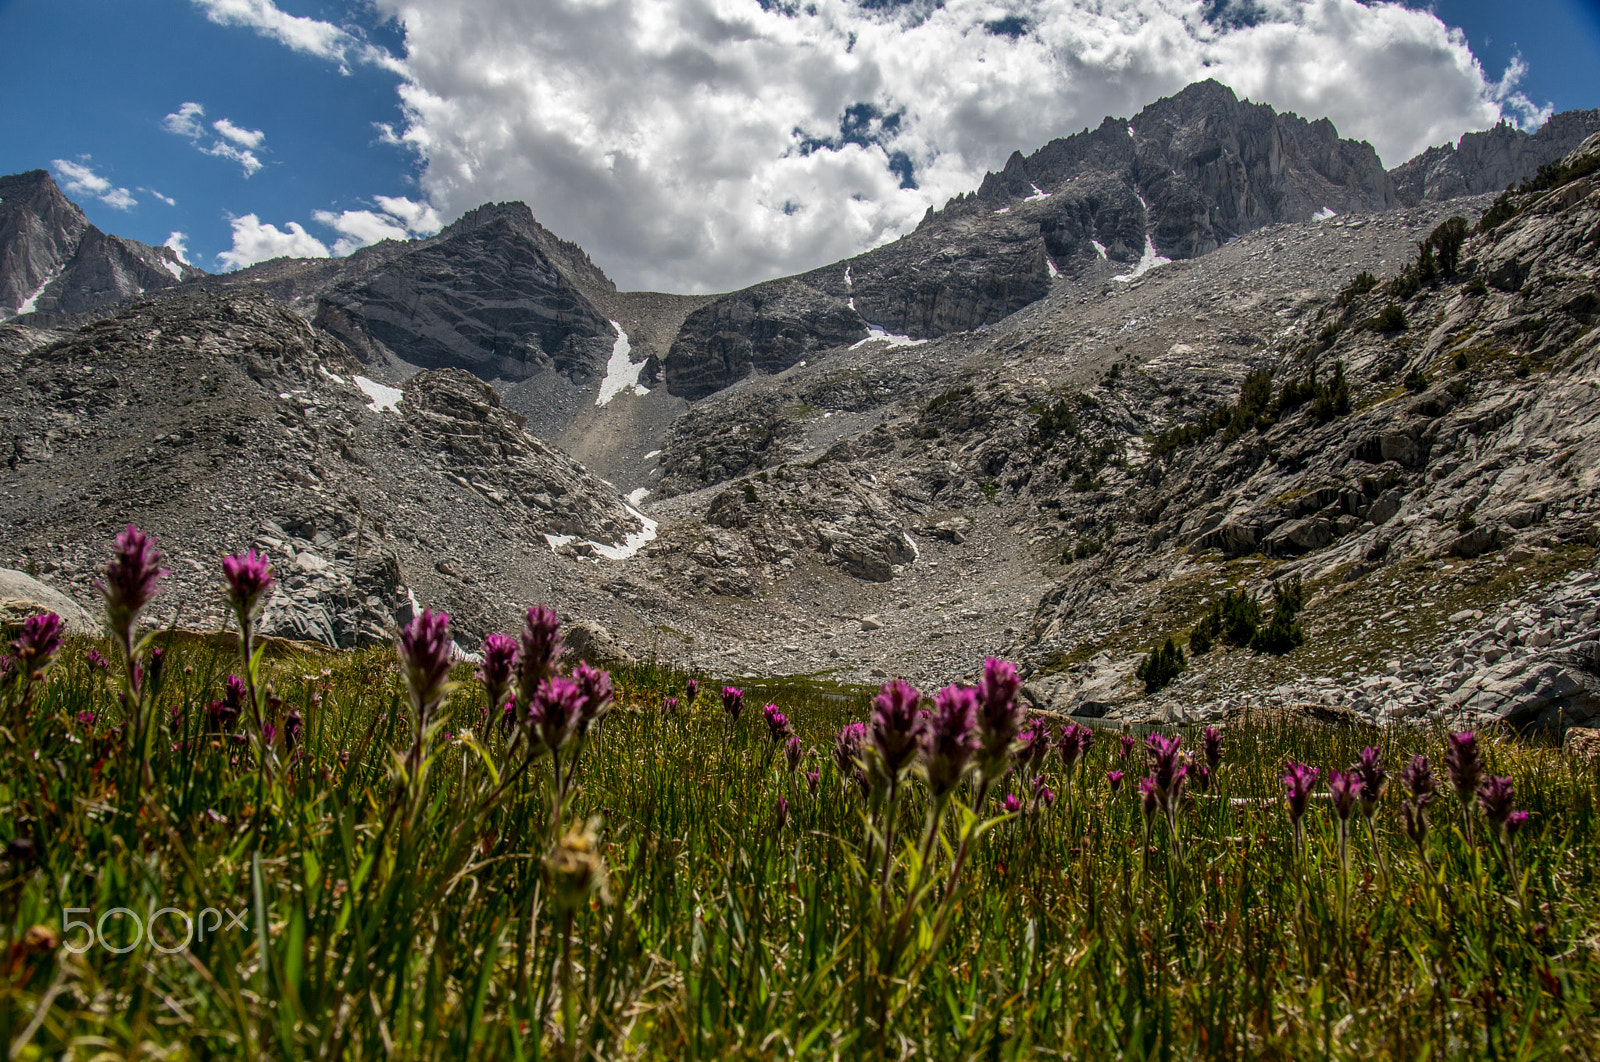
x=54, y=264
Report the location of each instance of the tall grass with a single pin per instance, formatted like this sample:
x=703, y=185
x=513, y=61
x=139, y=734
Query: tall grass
x=397, y=908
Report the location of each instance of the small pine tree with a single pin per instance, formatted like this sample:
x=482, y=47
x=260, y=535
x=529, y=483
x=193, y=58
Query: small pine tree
x=1237, y=615
x=1163, y=665
x=1283, y=633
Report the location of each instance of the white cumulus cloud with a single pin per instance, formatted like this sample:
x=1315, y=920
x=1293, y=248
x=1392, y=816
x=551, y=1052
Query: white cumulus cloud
x=400, y=219
x=167, y=199
x=705, y=144
x=80, y=179
x=255, y=241
x=230, y=141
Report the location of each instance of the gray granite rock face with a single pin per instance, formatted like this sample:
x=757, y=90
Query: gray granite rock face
x=495, y=294
x=54, y=265
x=1491, y=160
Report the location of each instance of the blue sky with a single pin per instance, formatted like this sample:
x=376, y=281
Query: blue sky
x=676, y=140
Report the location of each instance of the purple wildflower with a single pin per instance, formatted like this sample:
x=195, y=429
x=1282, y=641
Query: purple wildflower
x=1033, y=745
x=813, y=778
x=999, y=715
x=85, y=719
x=1125, y=745
x=553, y=714
x=249, y=578
x=777, y=723
x=131, y=581
x=895, y=726
x=1417, y=777
x=539, y=647
x=1345, y=786
x=1213, y=746
x=1013, y=803
x=594, y=686
x=96, y=661
x=1043, y=795
x=36, y=647
x=1115, y=778
x=1374, y=779
x=732, y=702
x=1074, y=744
x=1494, y=797
x=425, y=660
x=847, y=753
x=1201, y=775
x=1298, y=782
x=1464, y=763
x=293, y=728
x=792, y=751
x=949, y=738
x=669, y=706
x=499, y=666
x=691, y=690
x=783, y=812
x=1515, y=821
x=1149, y=800
x=1168, y=769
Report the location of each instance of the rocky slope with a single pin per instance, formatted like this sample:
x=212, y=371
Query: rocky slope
x=55, y=266
x=225, y=421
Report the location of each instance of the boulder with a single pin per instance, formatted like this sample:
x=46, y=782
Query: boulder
x=21, y=596
x=588, y=640
x=1549, y=690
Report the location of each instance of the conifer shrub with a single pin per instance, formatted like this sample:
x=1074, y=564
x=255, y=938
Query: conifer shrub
x=1389, y=319
x=1416, y=382
x=1359, y=285
x=1447, y=240
x=1282, y=633
x=1164, y=664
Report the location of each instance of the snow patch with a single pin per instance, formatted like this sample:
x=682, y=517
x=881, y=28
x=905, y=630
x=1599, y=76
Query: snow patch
x=652, y=453
x=847, y=277
x=459, y=655
x=880, y=335
x=1148, y=261
x=1003, y=210
x=1130, y=130
x=384, y=399
x=557, y=541
x=174, y=268
x=633, y=543
x=1099, y=248
x=1054, y=272
x=1325, y=214
x=330, y=375
x=621, y=373
x=1038, y=193
x=637, y=495
x=29, y=303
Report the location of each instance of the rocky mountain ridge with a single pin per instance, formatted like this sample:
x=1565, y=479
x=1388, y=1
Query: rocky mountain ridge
x=56, y=266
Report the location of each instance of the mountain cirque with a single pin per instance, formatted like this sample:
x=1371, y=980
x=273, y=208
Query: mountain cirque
x=840, y=499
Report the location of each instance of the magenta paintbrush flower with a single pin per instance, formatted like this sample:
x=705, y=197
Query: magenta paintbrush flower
x=1033, y=745
x=1167, y=769
x=538, y=649
x=132, y=578
x=1417, y=778
x=691, y=690
x=1515, y=822
x=249, y=579
x=1298, y=782
x=894, y=727
x=847, y=753
x=37, y=645
x=1000, y=715
x=499, y=666
x=1115, y=778
x=813, y=778
x=1125, y=745
x=669, y=706
x=1345, y=787
x=594, y=685
x=777, y=723
x=732, y=702
x=949, y=738
x=793, y=750
x=553, y=714
x=1150, y=801
x=1464, y=764
x=1374, y=779
x=1012, y=803
x=1494, y=797
x=1074, y=744
x=782, y=816
x=425, y=660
